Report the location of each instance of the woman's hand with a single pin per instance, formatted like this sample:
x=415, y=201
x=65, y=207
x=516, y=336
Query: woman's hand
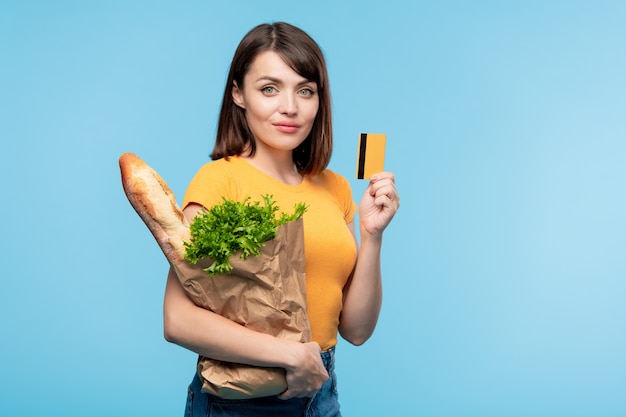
x=306, y=372
x=379, y=203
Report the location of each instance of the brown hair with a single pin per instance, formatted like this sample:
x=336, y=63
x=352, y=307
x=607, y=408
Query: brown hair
x=304, y=56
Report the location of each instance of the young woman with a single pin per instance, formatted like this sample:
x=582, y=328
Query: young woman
x=275, y=137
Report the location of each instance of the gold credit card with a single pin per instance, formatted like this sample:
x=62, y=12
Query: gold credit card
x=371, y=156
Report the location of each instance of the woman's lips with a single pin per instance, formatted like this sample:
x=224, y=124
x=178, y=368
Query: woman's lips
x=286, y=127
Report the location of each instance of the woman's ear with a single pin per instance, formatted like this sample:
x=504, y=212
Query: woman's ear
x=238, y=96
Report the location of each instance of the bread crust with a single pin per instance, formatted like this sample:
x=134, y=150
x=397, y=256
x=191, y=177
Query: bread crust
x=155, y=203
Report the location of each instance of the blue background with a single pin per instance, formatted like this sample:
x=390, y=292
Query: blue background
x=504, y=269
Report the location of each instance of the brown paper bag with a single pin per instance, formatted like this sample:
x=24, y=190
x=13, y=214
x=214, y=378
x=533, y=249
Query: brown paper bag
x=266, y=293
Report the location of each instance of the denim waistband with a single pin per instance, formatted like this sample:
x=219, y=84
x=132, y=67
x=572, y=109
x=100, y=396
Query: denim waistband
x=328, y=357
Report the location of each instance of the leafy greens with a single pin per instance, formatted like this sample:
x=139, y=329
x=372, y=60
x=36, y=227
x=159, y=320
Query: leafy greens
x=226, y=228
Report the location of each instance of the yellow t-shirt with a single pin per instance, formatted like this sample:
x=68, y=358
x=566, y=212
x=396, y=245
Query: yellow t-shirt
x=330, y=249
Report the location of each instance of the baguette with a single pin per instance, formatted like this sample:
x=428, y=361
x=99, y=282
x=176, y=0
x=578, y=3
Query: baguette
x=155, y=203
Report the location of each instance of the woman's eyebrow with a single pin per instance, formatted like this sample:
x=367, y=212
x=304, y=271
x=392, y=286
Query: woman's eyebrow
x=278, y=81
x=267, y=78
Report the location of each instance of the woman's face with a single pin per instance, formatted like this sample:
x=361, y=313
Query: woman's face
x=280, y=104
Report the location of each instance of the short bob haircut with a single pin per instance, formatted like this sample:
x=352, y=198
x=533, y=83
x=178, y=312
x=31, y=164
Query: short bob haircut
x=304, y=56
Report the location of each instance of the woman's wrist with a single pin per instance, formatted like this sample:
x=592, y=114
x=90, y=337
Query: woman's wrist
x=281, y=353
x=374, y=239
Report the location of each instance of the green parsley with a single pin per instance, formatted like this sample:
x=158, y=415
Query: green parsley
x=231, y=226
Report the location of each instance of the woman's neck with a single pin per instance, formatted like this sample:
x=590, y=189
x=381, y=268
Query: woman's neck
x=280, y=167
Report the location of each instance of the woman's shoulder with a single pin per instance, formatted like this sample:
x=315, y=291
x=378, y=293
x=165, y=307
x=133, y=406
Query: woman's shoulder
x=338, y=186
x=219, y=169
x=332, y=179
x=213, y=180
x=222, y=164
x=218, y=173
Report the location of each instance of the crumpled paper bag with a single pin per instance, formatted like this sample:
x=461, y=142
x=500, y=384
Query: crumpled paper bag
x=266, y=293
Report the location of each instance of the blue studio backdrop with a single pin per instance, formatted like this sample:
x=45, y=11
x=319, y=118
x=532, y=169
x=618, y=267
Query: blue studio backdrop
x=504, y=270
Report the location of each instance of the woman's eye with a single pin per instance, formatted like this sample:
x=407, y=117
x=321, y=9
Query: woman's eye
x=306, y=92
x=268, y=90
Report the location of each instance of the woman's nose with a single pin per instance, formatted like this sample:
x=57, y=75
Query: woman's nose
x=288, y=105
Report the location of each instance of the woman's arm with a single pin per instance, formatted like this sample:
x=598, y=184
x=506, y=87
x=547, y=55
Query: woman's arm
x=216, y=337
x=363, y=292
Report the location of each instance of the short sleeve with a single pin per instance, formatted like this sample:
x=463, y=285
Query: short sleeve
x=343, y=194
x=210, y=185
x=350, y=205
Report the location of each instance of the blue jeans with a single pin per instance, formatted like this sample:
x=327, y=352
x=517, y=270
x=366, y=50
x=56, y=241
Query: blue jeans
x=324, y=404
